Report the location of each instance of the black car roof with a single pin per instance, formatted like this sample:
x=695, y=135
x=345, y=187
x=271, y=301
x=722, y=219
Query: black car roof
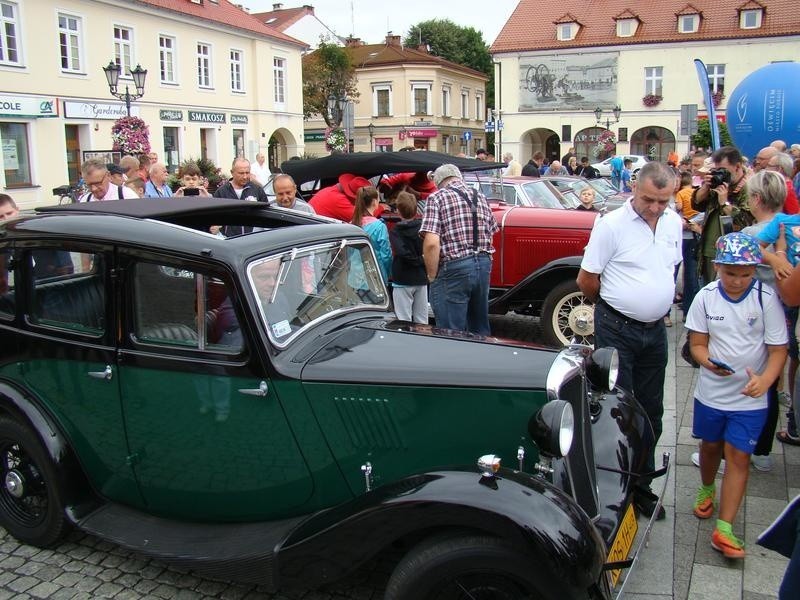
x=153, y=208
x=369, y=164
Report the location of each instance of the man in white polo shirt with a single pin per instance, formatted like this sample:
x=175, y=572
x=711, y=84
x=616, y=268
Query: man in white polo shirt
x=627, y=271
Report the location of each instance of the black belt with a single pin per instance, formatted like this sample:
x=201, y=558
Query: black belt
x=625, y=318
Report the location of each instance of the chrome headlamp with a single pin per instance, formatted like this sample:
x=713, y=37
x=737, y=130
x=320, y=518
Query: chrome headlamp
x=552, y=428
x=602, y=368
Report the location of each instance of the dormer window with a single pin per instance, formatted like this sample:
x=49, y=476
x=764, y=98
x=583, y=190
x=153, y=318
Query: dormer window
x=567, y=31
x=750, y=19
x=688, y=23
x=626, y=27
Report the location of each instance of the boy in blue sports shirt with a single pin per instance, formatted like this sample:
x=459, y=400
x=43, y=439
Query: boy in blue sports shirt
x=738, y=335
x=626, y=175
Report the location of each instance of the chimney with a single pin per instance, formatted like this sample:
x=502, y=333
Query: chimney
x=277, y=6
x=392, y=40
x=424, y=48
x=309, y=9
x=353, y=42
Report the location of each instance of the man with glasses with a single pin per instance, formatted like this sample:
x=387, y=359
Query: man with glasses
x=96, y=177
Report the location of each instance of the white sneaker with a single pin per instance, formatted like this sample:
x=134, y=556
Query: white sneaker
x=721, y=470
x=761, y=463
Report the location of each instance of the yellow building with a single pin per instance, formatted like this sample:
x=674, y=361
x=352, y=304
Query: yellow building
x=557, y=63
x=411, y=98
x=219, y=84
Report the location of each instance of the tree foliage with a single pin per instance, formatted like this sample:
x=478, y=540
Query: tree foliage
x=702, y=139
x=327, y=70
x=461, y=45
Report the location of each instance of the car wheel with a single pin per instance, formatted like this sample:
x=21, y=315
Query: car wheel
x=31, y=508
x=567, y=317
x=461, y=568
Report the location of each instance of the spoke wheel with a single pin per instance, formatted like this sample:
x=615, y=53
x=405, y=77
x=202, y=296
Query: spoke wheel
x=30, y=505
x=567, y=316
x=463, y=567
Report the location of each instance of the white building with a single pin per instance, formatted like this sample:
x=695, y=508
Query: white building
x=220, y=84
x=557, y=62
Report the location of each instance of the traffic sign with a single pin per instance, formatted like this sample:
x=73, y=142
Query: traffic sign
x=488, y=126
x=500, y=126
x=467, y=135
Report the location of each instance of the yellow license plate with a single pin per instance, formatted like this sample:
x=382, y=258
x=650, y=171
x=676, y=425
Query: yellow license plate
x=623, y=542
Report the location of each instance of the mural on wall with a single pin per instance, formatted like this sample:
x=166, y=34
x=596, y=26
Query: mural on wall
x=568, y=81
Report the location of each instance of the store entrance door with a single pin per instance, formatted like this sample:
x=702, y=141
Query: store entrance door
x=73, y=147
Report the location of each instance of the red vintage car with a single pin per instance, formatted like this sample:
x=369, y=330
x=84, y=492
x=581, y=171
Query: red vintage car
x=538, y=250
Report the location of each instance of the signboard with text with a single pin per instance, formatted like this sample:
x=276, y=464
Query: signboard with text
x=421, y=133
x=314, y=137
x=170, y=115
x=97, y=110
x=24, y=106
x=198, y=116
x=238, y=119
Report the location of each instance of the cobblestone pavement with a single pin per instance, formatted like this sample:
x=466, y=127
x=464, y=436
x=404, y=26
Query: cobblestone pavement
x=86, y=567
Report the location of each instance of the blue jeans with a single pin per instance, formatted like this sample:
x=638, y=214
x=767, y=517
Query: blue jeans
x=642, y=365
x=691, y=282
x=459, y=295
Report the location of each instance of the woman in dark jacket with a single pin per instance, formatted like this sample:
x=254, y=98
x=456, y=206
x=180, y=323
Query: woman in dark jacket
x=409, y=280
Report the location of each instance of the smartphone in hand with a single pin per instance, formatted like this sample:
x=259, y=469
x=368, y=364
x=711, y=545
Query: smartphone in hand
x=722, y=365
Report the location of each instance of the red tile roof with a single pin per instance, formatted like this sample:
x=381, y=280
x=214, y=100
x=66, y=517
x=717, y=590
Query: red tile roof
x=531, y=25
x=373, y=55
x=285, y=17
x=222, y=12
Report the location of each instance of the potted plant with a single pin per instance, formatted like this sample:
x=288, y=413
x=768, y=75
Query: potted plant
x=606, y=143
x=651, y=100
x=717, y=98
x=335, y=140
x=130, y=135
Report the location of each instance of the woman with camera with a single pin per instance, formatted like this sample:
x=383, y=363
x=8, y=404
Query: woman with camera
x=723, y=198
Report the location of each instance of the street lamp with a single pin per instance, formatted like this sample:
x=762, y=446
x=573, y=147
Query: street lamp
x=371, y=129
x=598, y=114
x=402, y=132
x=139, y=74
x=336, y=107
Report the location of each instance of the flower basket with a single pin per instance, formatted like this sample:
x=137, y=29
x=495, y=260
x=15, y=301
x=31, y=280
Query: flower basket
x=717, y=98
x=606, y=143
x=651, y=100
x=335, y=140
x=130, y=135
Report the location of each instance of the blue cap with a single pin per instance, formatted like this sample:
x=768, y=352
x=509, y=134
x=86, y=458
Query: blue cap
x=737, y=249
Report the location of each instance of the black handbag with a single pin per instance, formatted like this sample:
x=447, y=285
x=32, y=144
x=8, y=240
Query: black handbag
x=686, y=354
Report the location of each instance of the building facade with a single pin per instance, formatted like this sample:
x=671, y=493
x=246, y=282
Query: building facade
x=409, y=98
x=556, y=64
x=220, y=84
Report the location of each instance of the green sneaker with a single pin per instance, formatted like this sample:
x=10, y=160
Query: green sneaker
x=704, y=502
x=727, y=543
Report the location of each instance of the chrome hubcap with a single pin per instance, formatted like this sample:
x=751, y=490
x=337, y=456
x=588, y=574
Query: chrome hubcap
x=581, y=320
x=14, y=484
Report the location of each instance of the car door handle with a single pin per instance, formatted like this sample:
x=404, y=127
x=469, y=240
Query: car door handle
x=107, y=374
x=261, y=390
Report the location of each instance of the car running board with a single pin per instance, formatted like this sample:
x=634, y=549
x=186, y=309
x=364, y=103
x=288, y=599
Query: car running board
x=239, y=551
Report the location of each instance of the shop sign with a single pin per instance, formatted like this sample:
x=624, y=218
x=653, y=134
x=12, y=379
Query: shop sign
x=166, y=114
x=206, y=117
x=422, y=133
x=314, y=137
x=97, y=110
x=23, y=106
x=383, y=141
x=238, y=119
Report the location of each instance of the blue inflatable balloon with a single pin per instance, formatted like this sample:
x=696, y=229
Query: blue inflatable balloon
x=765, y=107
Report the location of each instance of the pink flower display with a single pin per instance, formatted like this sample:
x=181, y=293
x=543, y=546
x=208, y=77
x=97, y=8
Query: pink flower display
x=130, y=136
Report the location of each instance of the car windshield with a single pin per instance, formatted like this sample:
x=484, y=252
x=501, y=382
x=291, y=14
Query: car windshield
x=604, y=187
x=305, y=285
x=541, y=196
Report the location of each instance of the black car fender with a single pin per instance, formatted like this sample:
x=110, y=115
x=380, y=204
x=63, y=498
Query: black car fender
x=24, y=408
x=534, y=288
x=566, y=549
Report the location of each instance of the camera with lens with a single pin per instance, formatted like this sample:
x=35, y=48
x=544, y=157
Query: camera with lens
x=718, y=177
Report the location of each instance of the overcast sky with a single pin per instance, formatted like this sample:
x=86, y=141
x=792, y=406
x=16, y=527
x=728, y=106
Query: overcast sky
x=371, y=19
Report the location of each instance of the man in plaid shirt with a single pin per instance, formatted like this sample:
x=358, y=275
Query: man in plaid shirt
x=457, y=230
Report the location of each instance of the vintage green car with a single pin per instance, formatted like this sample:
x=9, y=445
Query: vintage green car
x=248, y=407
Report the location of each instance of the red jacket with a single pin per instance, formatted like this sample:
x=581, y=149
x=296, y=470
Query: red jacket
x=790, y=206
x=332, y=202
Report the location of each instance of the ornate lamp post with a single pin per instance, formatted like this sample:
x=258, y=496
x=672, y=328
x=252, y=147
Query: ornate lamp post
x=598, y=115
x=402, y=132
x=336, y=108
x=139, y=74
x=371, y=129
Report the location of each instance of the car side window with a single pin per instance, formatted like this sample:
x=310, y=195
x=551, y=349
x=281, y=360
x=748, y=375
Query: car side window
x=7, y=295
x=173, y=306
x=68, y=290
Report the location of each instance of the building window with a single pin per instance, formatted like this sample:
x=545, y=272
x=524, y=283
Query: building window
x=421, y=98
x=16, y=155
x=750, y=19
x=478, y=107
x=626, y=27
x=445, y=101
x=69, y=39
x=566, y=31
x=236, y=71
x=716, y=78
x=688, y=23
x=464, y=104
x=166, y=58
x=653, y=77
x=382, y=101
x=123, y=49
x=9, y=34
x=279, y=79
x=204, y=65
